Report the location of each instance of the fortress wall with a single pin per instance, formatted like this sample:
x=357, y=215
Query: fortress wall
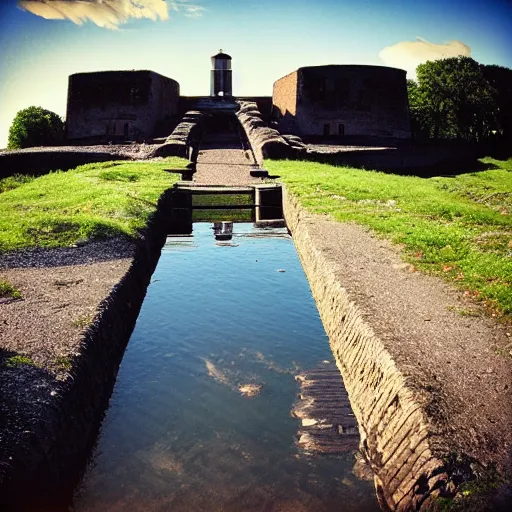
x=165, y=100
x=264, y=104
x=365, y=100
x=119, y=105
x=344, y=100
x=284, y=101
x=265, y=142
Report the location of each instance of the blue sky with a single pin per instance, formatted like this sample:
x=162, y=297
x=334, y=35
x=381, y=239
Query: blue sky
x=266, y=38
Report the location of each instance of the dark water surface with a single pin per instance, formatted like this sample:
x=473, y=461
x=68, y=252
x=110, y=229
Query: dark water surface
x=179, y=435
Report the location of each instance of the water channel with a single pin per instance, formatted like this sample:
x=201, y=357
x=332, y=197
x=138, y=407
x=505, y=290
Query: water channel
x=179, y=435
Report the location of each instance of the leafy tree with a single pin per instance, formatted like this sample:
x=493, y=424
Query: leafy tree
x=35, y=126
x=453, y=99
x=420, y=124
x=500, y=78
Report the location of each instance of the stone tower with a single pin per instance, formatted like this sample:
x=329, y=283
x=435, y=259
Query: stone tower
x=221, y=84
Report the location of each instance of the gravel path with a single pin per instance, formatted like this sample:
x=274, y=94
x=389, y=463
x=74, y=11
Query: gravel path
x=222, y=160
x=340, y=148
x=132, y=151
x=61, y=289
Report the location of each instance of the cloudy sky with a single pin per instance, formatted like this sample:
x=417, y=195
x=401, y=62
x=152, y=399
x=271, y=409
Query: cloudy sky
x=42, y=42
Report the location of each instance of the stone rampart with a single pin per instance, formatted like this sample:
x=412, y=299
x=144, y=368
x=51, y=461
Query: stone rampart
x=265, y=142
x=184, y=140
x=395, y=434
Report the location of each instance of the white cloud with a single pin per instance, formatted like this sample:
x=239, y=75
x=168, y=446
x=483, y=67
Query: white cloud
x=108, y=13
x=408, y=54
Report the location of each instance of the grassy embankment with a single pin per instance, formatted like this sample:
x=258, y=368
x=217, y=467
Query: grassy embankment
x=92, y=201
x=459, y=228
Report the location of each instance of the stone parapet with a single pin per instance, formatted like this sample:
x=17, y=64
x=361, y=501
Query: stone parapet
x=395, y=433
x=184, y=139
x=266, y=142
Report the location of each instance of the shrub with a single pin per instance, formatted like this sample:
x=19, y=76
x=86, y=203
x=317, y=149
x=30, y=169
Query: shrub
x=7, y=290
x=35, y=126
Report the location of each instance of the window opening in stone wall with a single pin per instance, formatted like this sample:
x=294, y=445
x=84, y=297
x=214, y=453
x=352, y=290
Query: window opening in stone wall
x=327, y=129
x=341, y=129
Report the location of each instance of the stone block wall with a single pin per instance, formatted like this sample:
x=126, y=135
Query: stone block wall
x=336, y=100
x=396, y=438
x=36, y=162
x=284, y=102
x=184, y=140
x=265, y=141
x=264, y=104
x=120, y=105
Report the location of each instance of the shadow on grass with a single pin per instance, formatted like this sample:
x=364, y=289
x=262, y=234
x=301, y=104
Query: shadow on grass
x=447, y=170
x=39, y=162
x=406, y=163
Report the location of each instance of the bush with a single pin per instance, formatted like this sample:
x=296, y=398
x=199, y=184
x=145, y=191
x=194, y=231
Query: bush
x=35, y=126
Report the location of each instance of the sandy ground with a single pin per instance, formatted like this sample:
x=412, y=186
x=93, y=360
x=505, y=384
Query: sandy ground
x=61, y=290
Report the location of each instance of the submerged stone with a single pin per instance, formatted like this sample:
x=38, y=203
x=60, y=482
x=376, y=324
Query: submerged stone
x=250, y=390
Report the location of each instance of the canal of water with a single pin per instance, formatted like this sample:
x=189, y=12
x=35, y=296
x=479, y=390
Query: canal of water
x=180, y=434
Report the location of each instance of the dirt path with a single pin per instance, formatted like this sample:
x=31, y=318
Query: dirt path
x=222, y=160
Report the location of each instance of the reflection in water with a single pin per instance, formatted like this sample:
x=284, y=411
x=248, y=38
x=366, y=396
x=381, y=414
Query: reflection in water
x=216, y=373
x=200, y=416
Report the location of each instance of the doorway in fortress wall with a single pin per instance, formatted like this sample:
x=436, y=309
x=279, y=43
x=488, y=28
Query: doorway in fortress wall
x=333, y=129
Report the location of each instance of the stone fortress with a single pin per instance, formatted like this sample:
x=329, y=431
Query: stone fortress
x=334, y=101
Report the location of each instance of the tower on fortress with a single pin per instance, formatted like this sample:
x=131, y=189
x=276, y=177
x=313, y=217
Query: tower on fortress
x=221, y=81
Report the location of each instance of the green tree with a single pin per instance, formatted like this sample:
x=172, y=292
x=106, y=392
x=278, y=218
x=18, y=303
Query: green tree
x=35, y=126
x=452, y=99
x=500, y=78
x=419, y=116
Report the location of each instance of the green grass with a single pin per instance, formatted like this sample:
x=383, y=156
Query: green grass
x=16, y=361
x=460, y=228
x=91, y=201
x=221, y=199
x=63, y=363
x=237, y=215
x=82, y=321
x=7, y=290
x=214, y=215
x=13, y=182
